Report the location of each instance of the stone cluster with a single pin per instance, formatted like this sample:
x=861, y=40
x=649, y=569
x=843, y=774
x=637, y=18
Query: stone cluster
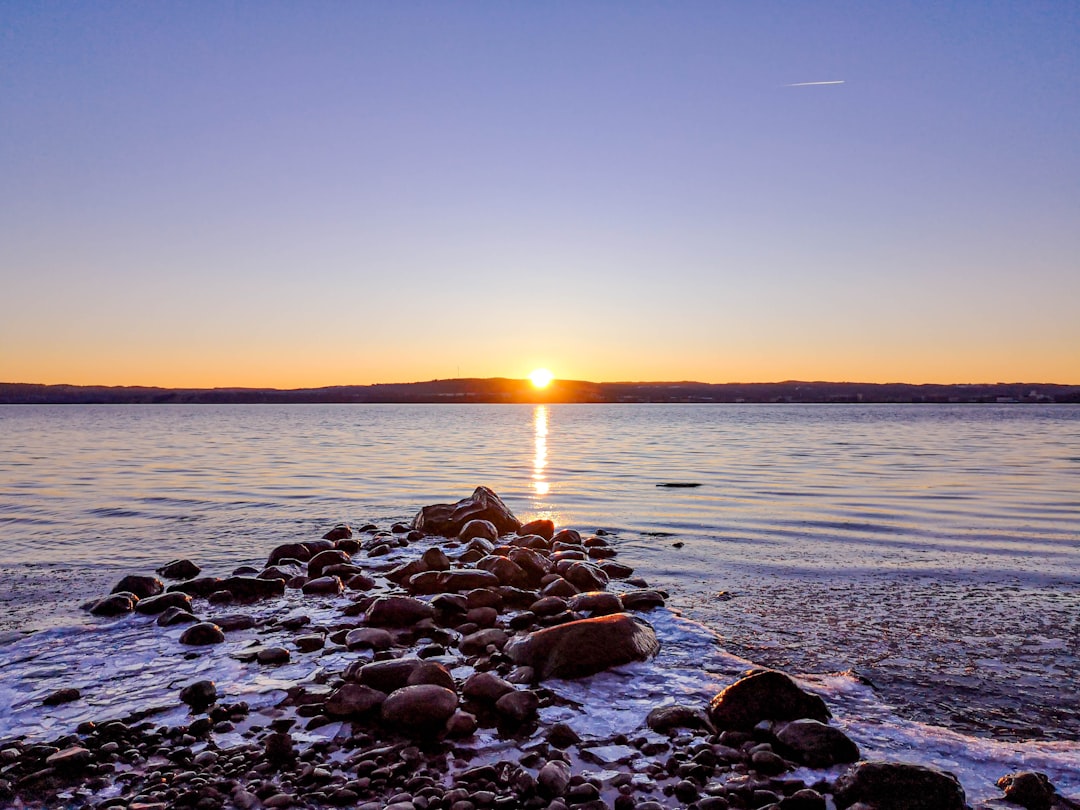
x=513, y=604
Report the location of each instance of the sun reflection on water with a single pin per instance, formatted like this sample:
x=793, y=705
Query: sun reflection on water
x=540, y=429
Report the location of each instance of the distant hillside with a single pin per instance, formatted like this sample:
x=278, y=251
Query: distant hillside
x=502, y=390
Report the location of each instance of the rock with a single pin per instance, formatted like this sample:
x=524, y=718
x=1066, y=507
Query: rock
x=506, y=571
x=586, y=646
x=586, y=577
x=595, y=603
x=309, y=643
x=202, y=586
x=323, y=586
x=354, y=700
x=62, y=696
x=804, y=799
x=448, y=519
x=767, y=695
x=517, y=706
x=559, y=587
x=387, y=676
x=202, y=634
x=643, y=599
x=279, y=748
x=1028, y=789
x=817, y=745
x=72, y=759
x=553, y=779
x=288, y=551
x=339, y=532
x=421, y=707
x=663, y=719
x=431, y=672
x=542, y=527
x=360, y=582
x=368, y=638
x=273, y=656
x=161, y=602
x=435, y=559
x=616, y=570
x=484, y=529
x=175, y=615
x=118, y=604
x=478, y=642
x=534, y=564
x=231, y=622
x=486, y=687
x=199, y=695
x=324, y=559
x=398, y=611
x=453, y=581
x=141, y=586
x=898, y=786
x=179, y=569
x=461, y=724
x=249, y=588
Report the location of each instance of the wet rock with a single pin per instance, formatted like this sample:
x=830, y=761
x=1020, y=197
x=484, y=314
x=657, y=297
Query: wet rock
x=179, y=569
x=569, y=537
x=323, y=586
x=118, y=604
x=435, y=559
x=586, y=577
x=898, y=786
x=580, y=648
x=174, y=615
x=279, y=748
x=421, y=707
x=289, y=551
x=250, y=588
x=354, y=700
x=202, y=634
x=398, y=611
x=431, y=672
x=478, y=642
x=461, y=724
x=768, y=695
x=817, y=745
x=231, y=622
x=199, y=695
x=141, y=586
x=339, y=532
x=595, y=603
x=72, y=759
x=483, y=529
x=553, y=780
x=663, y=719
x=505, y=570
x=1028, y=789
x=544, y=528
x=309, y=643
x=201, y=586
x=158, y=604
x=368, y=638
x=518, y=706
x=642, y=599
x=448, y=519
x=534, y=564
x=559, y=587
x=804, y=799
x=62, y=696
x=324, y=559
x=273, y=656
x=452, y=581
x=616, y=570
x=561, y=736
x=486, y=687
x=385, y=676
x=360, y=582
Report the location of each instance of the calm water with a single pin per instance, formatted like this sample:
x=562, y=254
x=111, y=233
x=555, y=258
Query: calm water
x=934, y=550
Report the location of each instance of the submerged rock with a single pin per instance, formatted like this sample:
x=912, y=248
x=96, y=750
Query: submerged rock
x=586, y=646
x=447, y=519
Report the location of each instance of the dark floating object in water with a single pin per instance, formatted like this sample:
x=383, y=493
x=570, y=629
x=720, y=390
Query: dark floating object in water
x=679, y=485
x=679, y=544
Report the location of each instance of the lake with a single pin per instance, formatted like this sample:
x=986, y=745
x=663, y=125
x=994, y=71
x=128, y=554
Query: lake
x=931, y=551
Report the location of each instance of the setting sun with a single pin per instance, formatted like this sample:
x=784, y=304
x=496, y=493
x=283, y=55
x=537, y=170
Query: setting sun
x=541, y=378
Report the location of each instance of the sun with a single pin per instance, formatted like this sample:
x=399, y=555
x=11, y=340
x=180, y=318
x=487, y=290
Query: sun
x=541, y=378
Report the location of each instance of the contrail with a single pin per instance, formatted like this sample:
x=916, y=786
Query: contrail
x=811, y=84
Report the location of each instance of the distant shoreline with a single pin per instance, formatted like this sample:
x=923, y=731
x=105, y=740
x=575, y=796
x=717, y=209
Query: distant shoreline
x=501, y=390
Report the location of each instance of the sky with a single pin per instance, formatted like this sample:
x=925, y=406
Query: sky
x=294, y=194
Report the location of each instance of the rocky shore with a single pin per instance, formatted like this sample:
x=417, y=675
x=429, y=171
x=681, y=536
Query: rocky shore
x=437, y=634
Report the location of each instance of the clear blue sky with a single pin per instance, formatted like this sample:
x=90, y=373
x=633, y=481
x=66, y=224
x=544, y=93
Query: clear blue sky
x=294, y=194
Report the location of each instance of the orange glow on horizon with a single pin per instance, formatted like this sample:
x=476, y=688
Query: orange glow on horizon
x=541, y=378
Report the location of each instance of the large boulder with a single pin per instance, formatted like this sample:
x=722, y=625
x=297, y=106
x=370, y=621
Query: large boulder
x=898, y=786
x=584, y=647
x=768, y=695
x=447, y=519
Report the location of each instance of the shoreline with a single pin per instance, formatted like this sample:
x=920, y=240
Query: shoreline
x=675, y=759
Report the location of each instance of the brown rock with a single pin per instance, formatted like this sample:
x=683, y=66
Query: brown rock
x=141, y=586
x=159, y=603
x=517, y=706
x=898, y=786
x=202, y=634
x=324, y=559
x=586, y=646
x=448, y=519
x=421, y=707
x=353, y=700
x=398, y=611
x=179, y=569
x=368, y=638
x=1028, y=789
x=323, y=586
x=486, y=687
x=817, y=745
x=542, y=527
x=768, y=695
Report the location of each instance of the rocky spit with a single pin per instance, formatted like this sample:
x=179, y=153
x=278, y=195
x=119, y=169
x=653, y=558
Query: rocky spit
x=461, y=640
